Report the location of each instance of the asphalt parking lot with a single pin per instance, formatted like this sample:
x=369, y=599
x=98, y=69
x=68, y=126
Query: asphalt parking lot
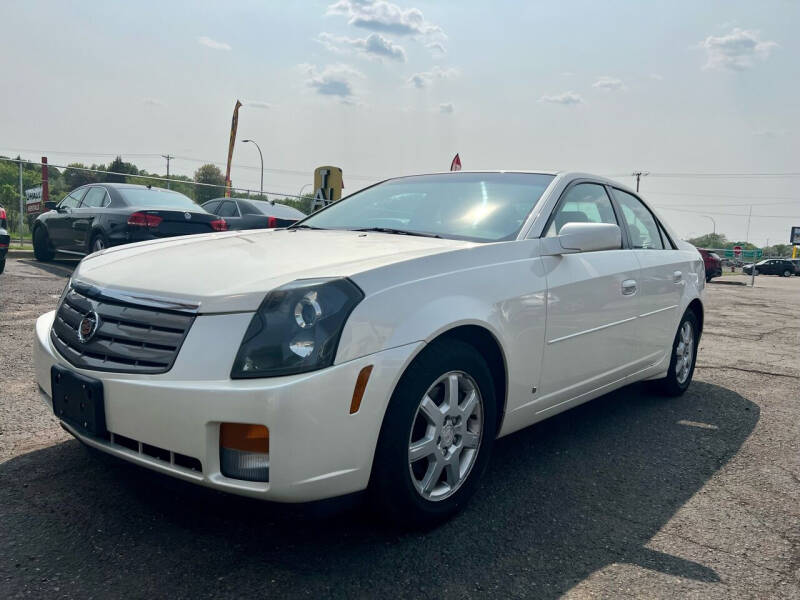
x=630, y=495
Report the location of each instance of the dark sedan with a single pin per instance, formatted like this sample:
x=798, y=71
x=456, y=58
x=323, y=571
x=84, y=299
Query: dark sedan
x=100, y=215
x=5, y=240
x=253, y=214
x=772, y=266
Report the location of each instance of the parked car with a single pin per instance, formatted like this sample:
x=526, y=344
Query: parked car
x=381, y=344
x=5, y=240
x=253, y=214
x=101, y=215
x=712, y=263
x=796, y=263
x=3, y=218
x=772, y=266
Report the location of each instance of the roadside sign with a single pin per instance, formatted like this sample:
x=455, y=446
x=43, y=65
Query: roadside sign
x=794, y=239
x=33, y=200
x=737, y=251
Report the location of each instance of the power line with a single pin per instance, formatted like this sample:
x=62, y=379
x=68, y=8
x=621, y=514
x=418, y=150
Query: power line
x=703, y=212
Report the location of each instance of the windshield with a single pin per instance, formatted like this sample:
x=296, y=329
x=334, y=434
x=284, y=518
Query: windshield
x=482, y=207
x=157, y=198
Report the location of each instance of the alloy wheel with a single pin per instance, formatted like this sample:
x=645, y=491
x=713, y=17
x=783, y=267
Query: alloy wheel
x=684, y=352
x=445, y=436
x=98, y=245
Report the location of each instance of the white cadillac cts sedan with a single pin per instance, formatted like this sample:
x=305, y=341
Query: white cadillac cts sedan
x=381, y=344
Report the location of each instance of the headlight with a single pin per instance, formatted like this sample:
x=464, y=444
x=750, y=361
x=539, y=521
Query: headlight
x=296, y=328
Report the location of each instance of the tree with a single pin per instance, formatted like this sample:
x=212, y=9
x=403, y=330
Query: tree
x=74, y=177
x=117, y=166
x=710, y=240
x=209, y=174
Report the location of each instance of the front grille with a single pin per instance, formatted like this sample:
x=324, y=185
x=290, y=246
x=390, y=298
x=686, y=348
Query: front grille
x=129, y=338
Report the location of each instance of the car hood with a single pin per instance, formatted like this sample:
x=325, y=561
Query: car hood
x=232, y=271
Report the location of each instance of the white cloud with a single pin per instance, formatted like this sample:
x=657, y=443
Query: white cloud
x=436, y=47
x=256, y=103
x=374, y=46
x=426, y=78
x=737, y=50
x=446, y=108
x=656, y=76
x=334, y=80
x=565, y=98
x=609, y=84
x=771, y=133
x=152, y=102
x=379, y=15
x=214, y=44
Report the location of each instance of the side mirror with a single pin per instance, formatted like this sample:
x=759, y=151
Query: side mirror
x=50, y=205
x=583, y=237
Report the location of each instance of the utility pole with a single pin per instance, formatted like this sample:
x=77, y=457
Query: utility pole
x=261, y=156
x=168, y=157
x=639, y=175
x=747, y=239
x=21, y=195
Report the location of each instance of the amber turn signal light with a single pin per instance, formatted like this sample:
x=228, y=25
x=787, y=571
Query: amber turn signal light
x=361, y=386
x=244, y=437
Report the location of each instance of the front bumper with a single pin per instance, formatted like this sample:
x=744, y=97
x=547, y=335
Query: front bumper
x=317, y=448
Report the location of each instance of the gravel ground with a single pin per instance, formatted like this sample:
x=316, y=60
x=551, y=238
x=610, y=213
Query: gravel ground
x=631, y=495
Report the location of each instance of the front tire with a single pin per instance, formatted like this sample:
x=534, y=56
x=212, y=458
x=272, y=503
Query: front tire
x=437, y=436
x=2, y=265
x=42, y=248
x=787, y=273
x=683, y=358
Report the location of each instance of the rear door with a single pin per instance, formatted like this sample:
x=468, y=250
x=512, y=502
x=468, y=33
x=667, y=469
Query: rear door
x=84, y=216
x=230, y=212
x=592, y=306
x=662, y=280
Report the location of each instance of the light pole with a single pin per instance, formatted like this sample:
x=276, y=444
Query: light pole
x=261, y=156
x=713, y=222
x=304, y=187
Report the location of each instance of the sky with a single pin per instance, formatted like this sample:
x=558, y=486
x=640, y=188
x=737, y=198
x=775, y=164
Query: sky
x=385, y=88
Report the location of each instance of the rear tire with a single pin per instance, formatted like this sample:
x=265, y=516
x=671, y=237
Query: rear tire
x=787, y=273
x=432, y=451
x=2, y=265
x=683, y=357
x=98, y=242
x=42, y=248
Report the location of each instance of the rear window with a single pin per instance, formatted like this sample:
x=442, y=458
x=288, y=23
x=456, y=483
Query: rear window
x=156, y=198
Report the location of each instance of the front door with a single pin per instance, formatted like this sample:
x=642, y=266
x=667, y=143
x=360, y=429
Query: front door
x=59, y=226
x=592, y=306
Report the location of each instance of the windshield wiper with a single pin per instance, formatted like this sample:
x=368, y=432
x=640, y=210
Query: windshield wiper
x=398, y=231
x=303, y=226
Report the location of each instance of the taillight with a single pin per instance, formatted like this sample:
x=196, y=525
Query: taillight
x=2, y=214
x=219, y=225
x=272, y=222
x=140, y=219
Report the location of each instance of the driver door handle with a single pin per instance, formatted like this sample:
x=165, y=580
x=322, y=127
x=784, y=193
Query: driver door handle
x=629, y=287
x=677, y=277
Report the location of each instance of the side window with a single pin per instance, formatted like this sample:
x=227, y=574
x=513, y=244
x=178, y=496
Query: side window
x=228, y=209
x=247, y=208
x=72, y=199
x=211, y=206
x=94, y=198
x=642, y=227
x=583, y=203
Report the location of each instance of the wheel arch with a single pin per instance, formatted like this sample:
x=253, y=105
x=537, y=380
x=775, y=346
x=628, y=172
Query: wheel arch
x=485, y=342
x=696, y=306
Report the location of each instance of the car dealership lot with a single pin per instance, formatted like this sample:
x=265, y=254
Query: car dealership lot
x=631, y=494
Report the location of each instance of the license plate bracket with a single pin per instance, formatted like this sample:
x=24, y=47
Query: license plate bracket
x=78, y=401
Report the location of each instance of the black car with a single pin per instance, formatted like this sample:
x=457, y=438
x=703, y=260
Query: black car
x=5, y=239
x=253, y=214
x=772, y=266
x=100, y=215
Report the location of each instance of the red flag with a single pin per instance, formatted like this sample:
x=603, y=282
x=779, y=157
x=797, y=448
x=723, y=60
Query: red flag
x=456, y=164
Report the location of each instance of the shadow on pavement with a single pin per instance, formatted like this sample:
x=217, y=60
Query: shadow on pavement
x=60, y=267
x=560, y=500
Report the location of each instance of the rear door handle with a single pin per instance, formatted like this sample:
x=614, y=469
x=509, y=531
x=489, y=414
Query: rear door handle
x=677, y=277
x=629, y=287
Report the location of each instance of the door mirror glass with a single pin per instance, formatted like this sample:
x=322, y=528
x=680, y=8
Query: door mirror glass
x=50, y=205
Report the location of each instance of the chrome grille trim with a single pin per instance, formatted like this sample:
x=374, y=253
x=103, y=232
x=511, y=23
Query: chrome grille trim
x=131, y=338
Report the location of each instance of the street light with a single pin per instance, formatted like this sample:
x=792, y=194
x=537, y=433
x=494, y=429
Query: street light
x=713, y=222
x=261, y=156
x=304, y=187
